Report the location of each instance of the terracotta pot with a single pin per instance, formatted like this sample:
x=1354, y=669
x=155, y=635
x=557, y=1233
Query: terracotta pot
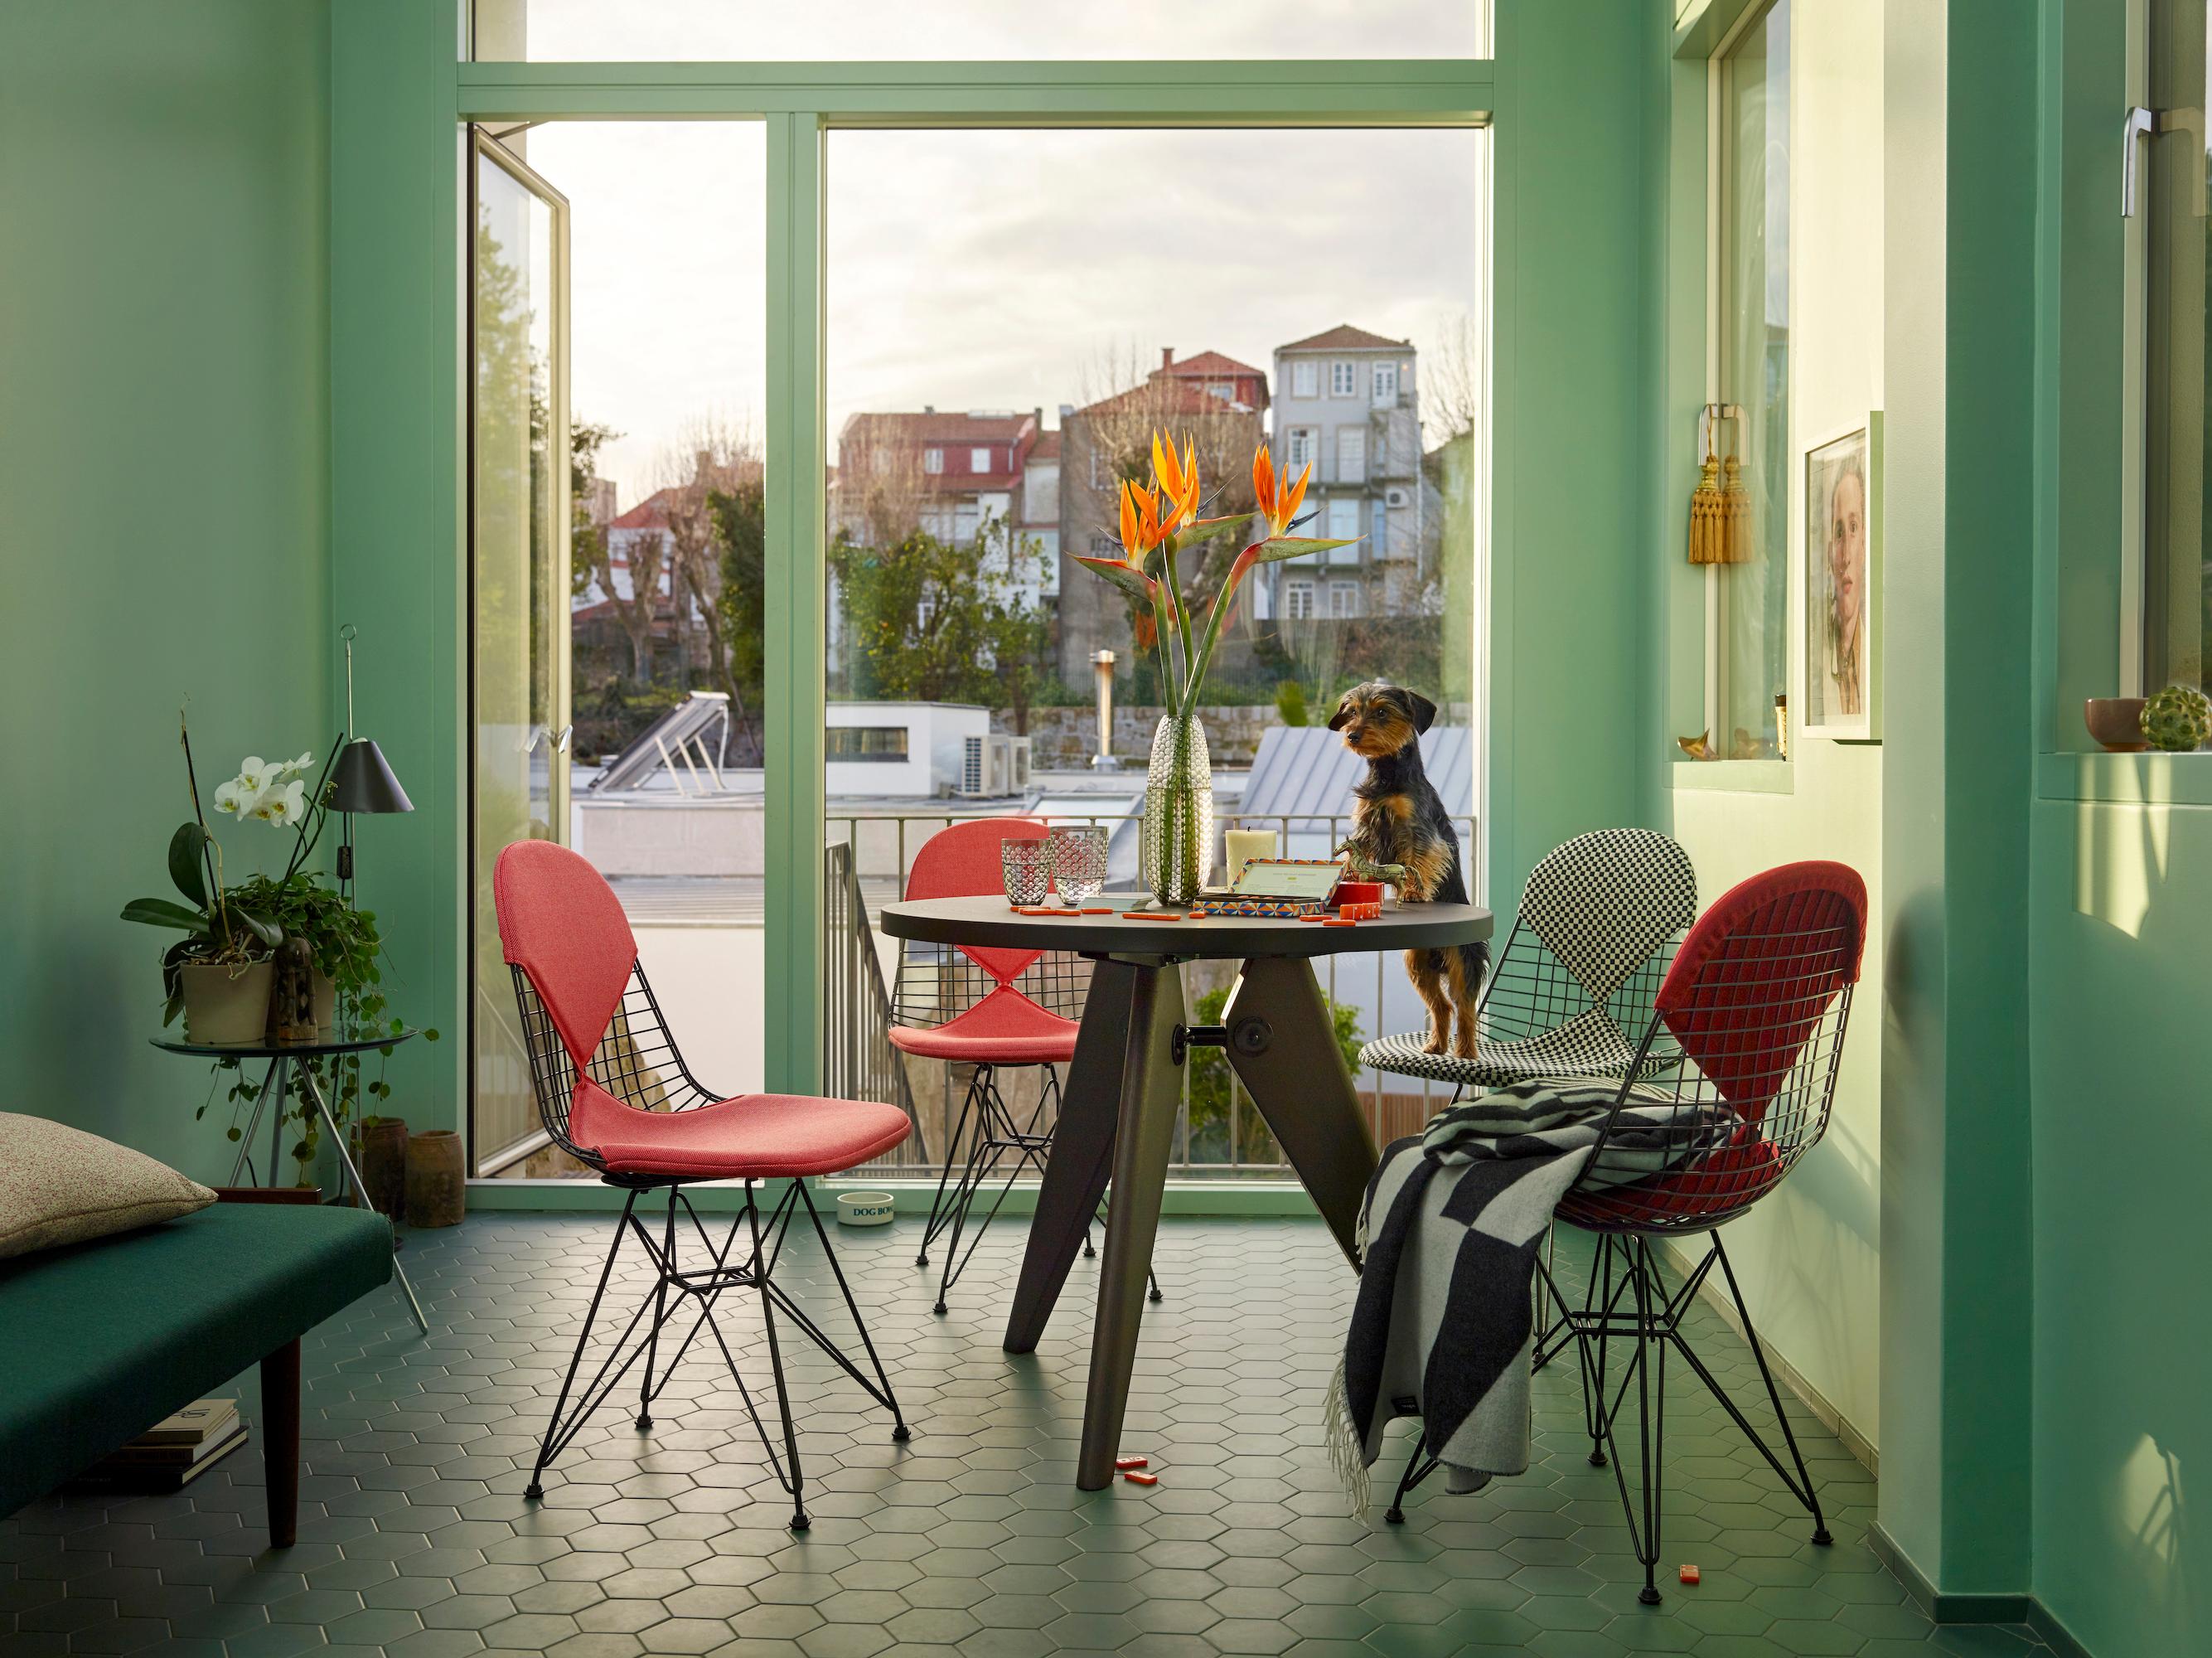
x=437, y=1185
x=226, y=1005
x=2117, y=723
x=384, y=1165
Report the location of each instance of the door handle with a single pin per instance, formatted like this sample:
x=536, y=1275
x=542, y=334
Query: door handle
x=2141, y=123
x=561, y=742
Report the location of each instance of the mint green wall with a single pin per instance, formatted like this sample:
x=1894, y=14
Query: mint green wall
x=2120, y=892
x=395, y=495
x=1569, y=651
x=163, y=452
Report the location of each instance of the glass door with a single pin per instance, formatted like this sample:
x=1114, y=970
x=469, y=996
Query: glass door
x=519, y=534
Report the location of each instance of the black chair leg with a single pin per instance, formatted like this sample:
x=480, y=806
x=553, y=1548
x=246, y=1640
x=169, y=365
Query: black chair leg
x=800, y=1521
x=937, y=1213
x=644, y=1389
x=1419, y=1465
x=551, y=1446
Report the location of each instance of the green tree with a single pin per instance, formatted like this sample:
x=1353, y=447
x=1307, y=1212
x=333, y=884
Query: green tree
x=941, y=621
x=1210, y=1087
x=740, y=525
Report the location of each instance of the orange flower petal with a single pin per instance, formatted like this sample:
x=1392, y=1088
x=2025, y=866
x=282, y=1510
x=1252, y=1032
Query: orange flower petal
x=1128, y=519
x=1263, y=479
x=1297, y=494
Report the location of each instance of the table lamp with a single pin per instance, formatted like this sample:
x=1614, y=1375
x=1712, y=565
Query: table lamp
x=362, y=780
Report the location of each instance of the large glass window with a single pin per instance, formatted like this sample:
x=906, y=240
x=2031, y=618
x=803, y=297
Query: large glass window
x=2177, y=587
x=1750, y=665
x=879, y=30
x=619, y=585
x=1035, y=330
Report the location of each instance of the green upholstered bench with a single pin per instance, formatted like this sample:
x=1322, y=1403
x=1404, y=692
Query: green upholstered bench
x=103, y=1339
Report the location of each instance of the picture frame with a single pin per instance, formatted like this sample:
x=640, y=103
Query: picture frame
x=1835, y=589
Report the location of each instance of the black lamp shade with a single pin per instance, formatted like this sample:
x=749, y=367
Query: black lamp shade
x=363, y=781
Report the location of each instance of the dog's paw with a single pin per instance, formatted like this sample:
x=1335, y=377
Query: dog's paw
x=1435, y=1043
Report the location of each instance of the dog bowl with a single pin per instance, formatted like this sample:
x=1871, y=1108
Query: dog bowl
x=2117, y=723
x=864, y=1208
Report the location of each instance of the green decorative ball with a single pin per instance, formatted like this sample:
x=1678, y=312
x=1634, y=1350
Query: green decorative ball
x=2177, y=719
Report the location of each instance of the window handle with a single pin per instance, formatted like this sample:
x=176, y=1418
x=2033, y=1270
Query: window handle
x=2141, y=123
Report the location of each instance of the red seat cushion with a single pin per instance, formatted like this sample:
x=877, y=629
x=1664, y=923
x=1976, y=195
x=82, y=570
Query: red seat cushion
x=1724, y=1180
x=760, y=1137
x=1004, y=1028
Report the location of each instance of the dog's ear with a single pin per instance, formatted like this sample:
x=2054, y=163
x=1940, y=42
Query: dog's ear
x=1423, y=710
x=1336, y=721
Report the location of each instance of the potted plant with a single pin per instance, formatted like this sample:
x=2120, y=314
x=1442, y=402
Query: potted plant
x=1157, y=521
x=217, y=975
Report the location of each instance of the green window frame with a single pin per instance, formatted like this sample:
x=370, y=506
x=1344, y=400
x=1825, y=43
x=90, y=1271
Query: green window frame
x=400, y=132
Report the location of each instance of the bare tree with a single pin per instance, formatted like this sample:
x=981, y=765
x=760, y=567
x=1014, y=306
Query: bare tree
x=883, y=491
x=710, y=454
x=1454, y=379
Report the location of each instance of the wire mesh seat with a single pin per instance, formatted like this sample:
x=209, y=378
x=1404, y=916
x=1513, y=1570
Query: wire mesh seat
x=614, y=1092
x=994, y=1010
x=1750, y=1019
x=1596, y=930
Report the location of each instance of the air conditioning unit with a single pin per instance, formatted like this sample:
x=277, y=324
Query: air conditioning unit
x=1396, y=497
x=993, y=767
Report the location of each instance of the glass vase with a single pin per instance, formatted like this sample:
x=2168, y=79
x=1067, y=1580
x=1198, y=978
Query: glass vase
x=1176, y=843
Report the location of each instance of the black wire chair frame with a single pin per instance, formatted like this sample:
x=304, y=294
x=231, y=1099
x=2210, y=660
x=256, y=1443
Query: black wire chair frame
x=1752, y=1038
x=637, y=1061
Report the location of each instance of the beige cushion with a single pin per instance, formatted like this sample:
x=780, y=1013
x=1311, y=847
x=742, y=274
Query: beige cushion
x=61, y=1185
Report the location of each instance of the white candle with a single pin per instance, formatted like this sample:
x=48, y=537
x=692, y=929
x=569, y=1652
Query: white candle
x=1238, y=845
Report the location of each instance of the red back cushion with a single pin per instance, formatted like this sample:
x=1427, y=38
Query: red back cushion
x=561, y=922
x=1750, y=982
x=961, y=861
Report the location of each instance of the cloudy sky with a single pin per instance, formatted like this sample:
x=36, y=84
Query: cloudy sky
x=995, y=269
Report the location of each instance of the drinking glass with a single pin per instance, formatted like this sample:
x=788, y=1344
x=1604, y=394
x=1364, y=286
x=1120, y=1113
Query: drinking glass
x=1027, y=866
x=1078, y=862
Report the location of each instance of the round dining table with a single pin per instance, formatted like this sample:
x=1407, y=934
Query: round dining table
x=1117, y=1114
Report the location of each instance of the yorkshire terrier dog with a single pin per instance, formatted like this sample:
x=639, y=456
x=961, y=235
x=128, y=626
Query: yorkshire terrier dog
x=1402, y=834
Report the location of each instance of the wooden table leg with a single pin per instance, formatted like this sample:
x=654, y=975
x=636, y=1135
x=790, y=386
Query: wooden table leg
x=1284, y=1047
x=1151, y=1093
x=1082, y=1153
x=280, y=1442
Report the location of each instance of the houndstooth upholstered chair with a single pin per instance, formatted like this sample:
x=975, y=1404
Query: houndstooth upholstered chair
x=1596, y=933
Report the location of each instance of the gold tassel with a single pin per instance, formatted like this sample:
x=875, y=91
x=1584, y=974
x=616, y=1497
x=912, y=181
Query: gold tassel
x=1708, y=534
x=1735, y=516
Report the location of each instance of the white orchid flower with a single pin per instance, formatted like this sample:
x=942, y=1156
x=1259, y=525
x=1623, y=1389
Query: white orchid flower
x=255, y=774
x=235, y=797
x=292, y=768
x=283, y=804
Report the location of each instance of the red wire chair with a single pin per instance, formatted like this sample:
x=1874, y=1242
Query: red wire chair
x=994, y=1010
x=614, y=1092
x=1754, y=1008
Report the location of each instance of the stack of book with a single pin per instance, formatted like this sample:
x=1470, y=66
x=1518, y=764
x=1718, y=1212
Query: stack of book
x=177, y=1450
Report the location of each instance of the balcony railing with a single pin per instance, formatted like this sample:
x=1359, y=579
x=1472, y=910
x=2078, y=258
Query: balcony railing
x=871, y=982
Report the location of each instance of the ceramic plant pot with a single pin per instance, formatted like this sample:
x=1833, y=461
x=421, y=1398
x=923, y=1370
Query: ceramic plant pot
x=2117, y=723
x=225, y=1003
x=384, y=1165
x=1175, y=840
x=437, y=1189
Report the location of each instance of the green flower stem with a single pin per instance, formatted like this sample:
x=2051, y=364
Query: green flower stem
x=1205, y=662
x=1174, y=593
x=1167, y=656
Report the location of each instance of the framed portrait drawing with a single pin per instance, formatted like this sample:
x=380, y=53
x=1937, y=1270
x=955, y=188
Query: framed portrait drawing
x=1837, y=597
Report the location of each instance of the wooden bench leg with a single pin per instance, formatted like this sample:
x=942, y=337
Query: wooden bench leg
x=280, y=1442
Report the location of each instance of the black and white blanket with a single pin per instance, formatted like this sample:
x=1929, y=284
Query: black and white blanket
x=1448, y=1238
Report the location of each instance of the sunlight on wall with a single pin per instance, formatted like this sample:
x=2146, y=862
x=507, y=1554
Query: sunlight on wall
x=2147, y=1496
x=2119, y=861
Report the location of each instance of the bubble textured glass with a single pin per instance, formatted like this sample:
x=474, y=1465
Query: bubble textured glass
x=1177, y=838
x=1027, y=866
x=1079, y=862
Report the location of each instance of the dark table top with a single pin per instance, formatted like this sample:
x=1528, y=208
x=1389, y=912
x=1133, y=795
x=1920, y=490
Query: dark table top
x=991, y=922
x=338, y=1040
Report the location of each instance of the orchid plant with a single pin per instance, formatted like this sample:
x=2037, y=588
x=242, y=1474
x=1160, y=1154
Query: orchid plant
x=1159, y=519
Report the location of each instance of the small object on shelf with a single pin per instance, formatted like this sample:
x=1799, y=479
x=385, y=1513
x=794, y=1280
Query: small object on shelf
x=2176, y=719
x=1243, y=846
x=292, y=999
x=1699, y=748
x=437, y=1190
x=1351, y=892
x=176, y=1450
x=1136, y=1478
x=1689, y=1574
x=2115, y=722
x=1077, y=853
x=1316, y=916
x=1126, y=1463
x=1782, y=723
x=1101, y=909
x=1338, y=920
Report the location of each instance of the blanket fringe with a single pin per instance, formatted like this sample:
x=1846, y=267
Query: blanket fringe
x=1347, y=1449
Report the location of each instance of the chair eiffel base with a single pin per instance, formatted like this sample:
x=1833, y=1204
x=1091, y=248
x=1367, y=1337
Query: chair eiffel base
x=992, y=1134
x=1626, y=1310
x=692, y=1272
